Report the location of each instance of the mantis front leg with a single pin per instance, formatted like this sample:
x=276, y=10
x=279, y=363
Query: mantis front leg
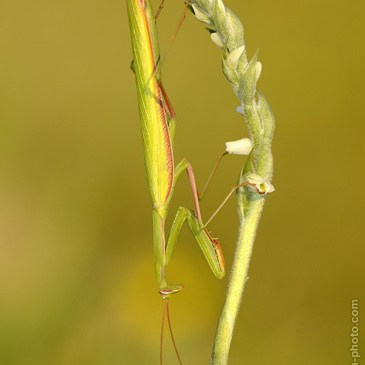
x=210, y=247
x=207, y=243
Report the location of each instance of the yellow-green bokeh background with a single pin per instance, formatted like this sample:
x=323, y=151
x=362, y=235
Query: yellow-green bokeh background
x=76, y=261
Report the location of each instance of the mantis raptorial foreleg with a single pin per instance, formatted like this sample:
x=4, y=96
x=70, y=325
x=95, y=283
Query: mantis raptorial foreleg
x=209, y=246
x=207, y=243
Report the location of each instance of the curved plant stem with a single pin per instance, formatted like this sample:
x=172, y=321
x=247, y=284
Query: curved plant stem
x=227, y=33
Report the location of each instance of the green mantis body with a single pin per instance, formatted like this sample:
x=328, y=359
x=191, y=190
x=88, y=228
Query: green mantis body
x=158, y=129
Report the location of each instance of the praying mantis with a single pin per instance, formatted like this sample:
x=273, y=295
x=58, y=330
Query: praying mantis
x=158, y=128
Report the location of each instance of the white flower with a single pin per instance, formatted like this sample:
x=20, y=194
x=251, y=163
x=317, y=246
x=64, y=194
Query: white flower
x=260, y=184
x=240, y=147
x=239, y=110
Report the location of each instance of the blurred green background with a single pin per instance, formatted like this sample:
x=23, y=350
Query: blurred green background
x=76, y=261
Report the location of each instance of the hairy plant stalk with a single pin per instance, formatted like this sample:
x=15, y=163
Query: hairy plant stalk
x=227, y=33
x=238, y=278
